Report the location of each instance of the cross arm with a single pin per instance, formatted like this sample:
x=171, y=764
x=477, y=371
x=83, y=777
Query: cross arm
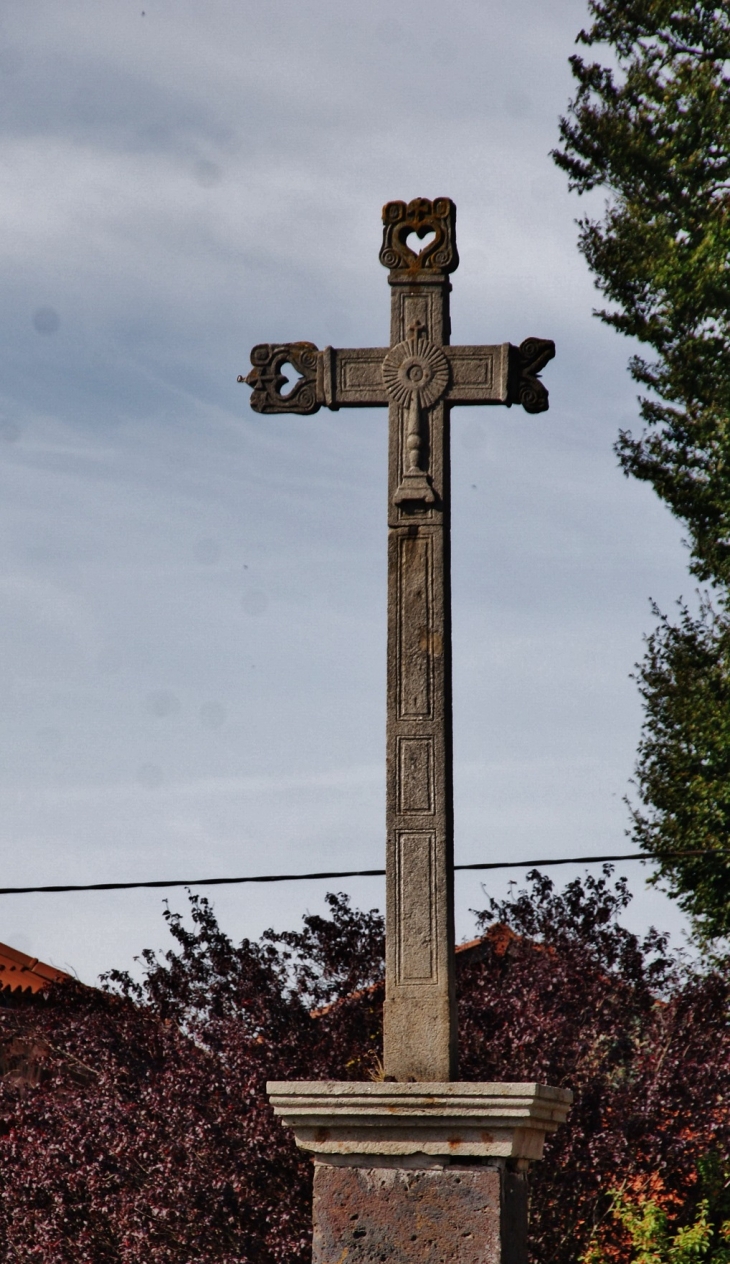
x=333, y=378
x=353, y=377
x=503, y=374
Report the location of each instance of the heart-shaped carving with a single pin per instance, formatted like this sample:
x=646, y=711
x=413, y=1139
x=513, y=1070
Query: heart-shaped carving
x=418, y=242
x=291, y=377
x=419, y=237
x=289, y=364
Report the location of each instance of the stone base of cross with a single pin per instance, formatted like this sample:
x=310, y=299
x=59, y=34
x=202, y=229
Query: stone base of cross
x=420, y=1172
x=380, y=1148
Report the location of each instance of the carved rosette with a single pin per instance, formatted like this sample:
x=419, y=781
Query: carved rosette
x=415, y=367
x=267, y=379
x=527, y=361
x=421, y=216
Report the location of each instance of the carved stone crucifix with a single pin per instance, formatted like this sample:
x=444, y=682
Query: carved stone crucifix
x=419, y=377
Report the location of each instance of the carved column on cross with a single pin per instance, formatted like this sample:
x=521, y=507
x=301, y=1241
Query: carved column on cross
x=420, y=377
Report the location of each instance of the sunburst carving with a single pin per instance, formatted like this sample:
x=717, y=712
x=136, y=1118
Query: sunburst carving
x=417, y=368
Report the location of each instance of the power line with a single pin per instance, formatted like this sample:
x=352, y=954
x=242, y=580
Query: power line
x=339, y=873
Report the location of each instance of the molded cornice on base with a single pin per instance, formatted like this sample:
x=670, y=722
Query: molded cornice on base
x=454, y=1120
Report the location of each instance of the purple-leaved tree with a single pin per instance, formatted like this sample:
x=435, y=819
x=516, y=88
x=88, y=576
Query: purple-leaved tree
x=134, y=1128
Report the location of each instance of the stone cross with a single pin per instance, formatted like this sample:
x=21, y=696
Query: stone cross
x=419, y=377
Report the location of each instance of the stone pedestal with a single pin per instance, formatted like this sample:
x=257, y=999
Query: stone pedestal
x=456, y=1214
x=434, y=1173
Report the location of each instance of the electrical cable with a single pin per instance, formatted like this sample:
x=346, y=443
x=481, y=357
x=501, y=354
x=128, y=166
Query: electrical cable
x=341, y=873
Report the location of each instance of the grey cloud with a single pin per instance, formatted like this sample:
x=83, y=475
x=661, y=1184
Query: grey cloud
x=180, y=188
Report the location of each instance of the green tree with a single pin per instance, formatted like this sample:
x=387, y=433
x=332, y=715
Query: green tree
x=651, y=1237
x=653, y=130
x=683, y=766
x=650, y=126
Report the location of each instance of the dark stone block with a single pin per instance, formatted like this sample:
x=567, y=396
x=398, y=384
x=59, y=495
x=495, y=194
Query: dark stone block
x=451, y=1215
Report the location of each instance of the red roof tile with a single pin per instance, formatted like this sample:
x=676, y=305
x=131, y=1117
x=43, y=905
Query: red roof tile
x=21, y=973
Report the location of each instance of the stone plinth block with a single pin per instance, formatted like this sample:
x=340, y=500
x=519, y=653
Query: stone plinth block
x=387, y=1215
x=351, y=1123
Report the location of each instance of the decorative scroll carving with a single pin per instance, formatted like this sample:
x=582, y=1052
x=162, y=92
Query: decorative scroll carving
x=267, y=379
x=527, y=361
x=415, y=375
x=421, y=216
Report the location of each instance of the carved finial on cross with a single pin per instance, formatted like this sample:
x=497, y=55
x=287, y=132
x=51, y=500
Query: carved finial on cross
x=421, y=217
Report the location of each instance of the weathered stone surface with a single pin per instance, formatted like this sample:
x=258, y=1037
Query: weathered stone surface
x=402, y=1170
x=419, y=376
x=451, y=1215
x=418, y=1121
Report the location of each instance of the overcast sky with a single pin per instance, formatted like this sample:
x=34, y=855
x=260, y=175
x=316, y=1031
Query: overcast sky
x=193, y=596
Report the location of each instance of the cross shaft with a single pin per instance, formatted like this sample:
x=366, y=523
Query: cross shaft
x=419, y=377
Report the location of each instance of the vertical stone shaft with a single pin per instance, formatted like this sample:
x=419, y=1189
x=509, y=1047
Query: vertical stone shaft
x=419, y=1020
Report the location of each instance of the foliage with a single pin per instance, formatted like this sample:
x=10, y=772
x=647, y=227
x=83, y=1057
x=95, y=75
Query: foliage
x=651, y=1237
x=683, y=767
x=652, y=128
x=566, y=995
x=134, y=1127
